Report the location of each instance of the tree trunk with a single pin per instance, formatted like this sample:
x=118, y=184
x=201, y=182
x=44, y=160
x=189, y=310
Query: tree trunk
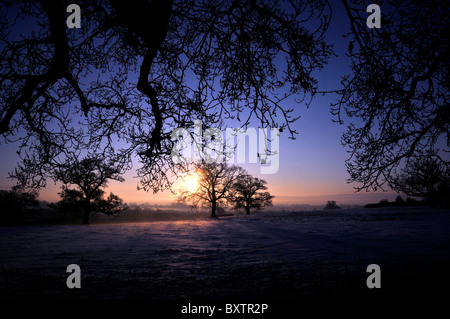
x=213, y=209
x=86, y=211
x=247, y=210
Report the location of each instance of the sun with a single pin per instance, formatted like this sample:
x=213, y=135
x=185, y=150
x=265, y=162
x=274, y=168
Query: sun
x=191, y=183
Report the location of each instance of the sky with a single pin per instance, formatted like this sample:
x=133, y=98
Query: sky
x=311, y=167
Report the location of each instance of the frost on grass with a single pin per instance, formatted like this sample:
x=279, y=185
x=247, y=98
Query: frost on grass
x=273, y=255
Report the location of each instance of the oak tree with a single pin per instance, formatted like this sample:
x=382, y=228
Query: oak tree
x=89, y=176
x=215, y=185
x=247, y=193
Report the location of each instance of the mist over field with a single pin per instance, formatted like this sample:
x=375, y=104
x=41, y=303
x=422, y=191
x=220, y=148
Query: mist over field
x=292, y=255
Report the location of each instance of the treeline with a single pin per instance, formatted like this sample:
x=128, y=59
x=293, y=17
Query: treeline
x=18, y=208
x=400, y=202
x=218, y=186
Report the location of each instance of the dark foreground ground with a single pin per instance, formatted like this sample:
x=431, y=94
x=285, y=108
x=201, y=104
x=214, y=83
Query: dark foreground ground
x=280, y=258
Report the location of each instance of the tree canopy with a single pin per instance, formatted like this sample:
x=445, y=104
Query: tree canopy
x=14, y=204
x=427, y=177
x=398, y=88
x=132, y=73
x=220, y=185
x=247, y=195
x=215, y=185
x=89, y=175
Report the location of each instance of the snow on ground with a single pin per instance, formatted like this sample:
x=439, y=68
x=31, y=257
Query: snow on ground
x=265, y=255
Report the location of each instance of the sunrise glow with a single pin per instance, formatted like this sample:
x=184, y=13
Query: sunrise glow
x=191, y=183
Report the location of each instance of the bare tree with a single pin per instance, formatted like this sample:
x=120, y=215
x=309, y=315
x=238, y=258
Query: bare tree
x=398, y=89
x=215, y=185
x=247, y=195
x=89, y=175
x=132, y=73
x=425, y=176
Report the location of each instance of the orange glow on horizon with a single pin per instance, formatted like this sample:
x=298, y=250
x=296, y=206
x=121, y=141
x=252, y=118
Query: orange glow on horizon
x=293, y=190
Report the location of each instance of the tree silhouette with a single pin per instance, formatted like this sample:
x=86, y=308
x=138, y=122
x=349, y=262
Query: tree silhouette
x=216, y=183
x=425, y=176
x=89, y=176
x=246, y=193
x=134, y=72
x=331, y=204
x=74, y=201
x=399, y=88
x=13, y=204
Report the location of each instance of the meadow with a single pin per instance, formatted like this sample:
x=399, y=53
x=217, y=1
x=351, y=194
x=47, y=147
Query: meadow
x=305, y=255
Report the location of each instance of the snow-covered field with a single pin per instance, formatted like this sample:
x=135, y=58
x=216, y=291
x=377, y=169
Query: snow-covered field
x=264, y=255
